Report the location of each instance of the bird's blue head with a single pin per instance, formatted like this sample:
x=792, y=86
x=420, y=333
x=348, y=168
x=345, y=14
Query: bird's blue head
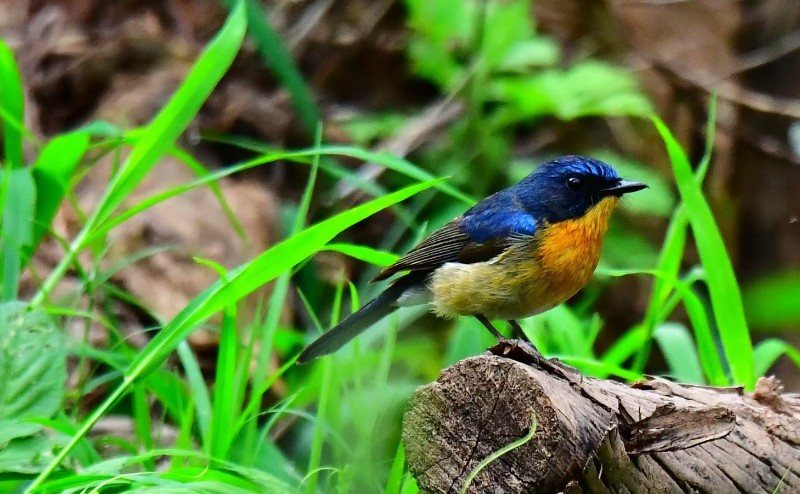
x=567, y=187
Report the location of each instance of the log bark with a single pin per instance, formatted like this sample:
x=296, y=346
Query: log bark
x=596, y=436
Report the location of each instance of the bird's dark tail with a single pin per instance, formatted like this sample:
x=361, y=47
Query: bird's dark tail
x=359, y=321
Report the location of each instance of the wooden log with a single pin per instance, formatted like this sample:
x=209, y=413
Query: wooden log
x=596, y=436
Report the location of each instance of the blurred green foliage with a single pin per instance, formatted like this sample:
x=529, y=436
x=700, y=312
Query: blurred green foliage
x=489, y=55
x=774, y=301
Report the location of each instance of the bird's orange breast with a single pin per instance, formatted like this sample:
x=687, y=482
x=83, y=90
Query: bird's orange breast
x=568, y=251
x=532, y=276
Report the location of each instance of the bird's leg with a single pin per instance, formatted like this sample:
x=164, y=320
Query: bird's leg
x=518, y=332
x=489, y=326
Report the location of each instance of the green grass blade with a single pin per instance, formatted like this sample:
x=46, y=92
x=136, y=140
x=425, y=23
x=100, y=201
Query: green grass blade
x=726, y=299
x=162, y=196
x=202, y=171
x=669, y=261
x=625, y=346
x=674, y=245
x=327, y=387
x=272, y=49
x=769, y=351
x=12, y=104
x=709, y=357
x=266, y=333
x=252, y=409
x=365, y=254
x=397, y=164
x=500, y=452
x=197, y=388
x=158, y=137
x=241, y=281
x=16, y=235
x=142, y=422
x=52, y=172
x=208, y=179
x=385, y=159
x=308, y=192
x=395, y=483
x=225, y=402
x=679, y=350
x=596, y=367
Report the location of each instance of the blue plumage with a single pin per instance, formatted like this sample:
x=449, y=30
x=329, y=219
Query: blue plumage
x=543, y=194
x=497, y=218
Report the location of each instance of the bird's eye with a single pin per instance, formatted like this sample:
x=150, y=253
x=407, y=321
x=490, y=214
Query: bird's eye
x=574, y=183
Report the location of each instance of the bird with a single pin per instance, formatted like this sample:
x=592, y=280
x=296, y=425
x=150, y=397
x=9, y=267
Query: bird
x=519, y=252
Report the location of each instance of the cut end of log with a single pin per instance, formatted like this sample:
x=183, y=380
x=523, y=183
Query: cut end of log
x=593, y=435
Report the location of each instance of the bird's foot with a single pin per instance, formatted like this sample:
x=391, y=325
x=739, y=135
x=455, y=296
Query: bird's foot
x=518, y=332
x=488, y=325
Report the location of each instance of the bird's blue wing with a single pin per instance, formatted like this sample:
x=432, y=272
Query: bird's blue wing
x=489, y=225
x=482, y=233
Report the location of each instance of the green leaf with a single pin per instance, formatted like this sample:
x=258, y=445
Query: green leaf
x=440, y=30
x=445, y=24
x=365, y=254
x=27, y=455
x=589, y=88
x=32, y=364
x=16, y=236
x=679, y=350
x=769, y=351
x=726, y=299
x=52, y=172
x=507, y=24
x=531, y=53
x=33, y=373
x=12, y=107
x=437, y=66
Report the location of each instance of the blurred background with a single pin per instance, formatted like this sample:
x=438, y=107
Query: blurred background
x=400, y=75
x=478, y=91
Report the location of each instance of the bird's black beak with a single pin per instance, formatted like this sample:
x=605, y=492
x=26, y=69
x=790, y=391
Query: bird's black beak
x=623, y=187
